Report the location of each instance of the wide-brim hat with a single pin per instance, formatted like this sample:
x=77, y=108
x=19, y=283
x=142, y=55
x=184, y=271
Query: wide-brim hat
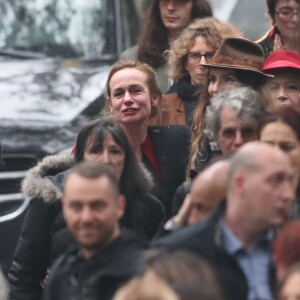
x=239, y=54
x=281, y=60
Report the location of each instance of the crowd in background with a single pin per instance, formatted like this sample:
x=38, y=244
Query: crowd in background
x=187, y=186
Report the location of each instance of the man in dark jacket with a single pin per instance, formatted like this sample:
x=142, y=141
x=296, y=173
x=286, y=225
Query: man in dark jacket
x=236, y=240
x=107, y=257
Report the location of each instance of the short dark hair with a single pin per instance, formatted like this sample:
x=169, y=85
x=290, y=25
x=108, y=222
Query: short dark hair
x=285, y=114
x=190, y=276
x=93, y=170
x=271, y=8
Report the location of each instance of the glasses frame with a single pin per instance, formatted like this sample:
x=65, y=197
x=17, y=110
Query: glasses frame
x=210, y=54
x=292, y=13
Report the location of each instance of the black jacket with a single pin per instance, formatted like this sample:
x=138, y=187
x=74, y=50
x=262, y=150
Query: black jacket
x=74, y=277
x=44, y=235
x=204, y=239
x=171, y=149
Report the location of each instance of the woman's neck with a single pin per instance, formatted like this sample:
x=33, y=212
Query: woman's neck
x=136, y=134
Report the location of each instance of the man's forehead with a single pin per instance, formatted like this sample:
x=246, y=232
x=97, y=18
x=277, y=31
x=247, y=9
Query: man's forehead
x=275, y=163
x=76, y=182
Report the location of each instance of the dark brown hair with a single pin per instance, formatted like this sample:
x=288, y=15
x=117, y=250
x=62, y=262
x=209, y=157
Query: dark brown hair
x=190, y=276
x=271, y=8
x=153, y=40
x=285, y=114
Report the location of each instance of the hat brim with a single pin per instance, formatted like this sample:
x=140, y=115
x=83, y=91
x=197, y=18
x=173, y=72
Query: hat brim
x=237, y=68
x=282, y=65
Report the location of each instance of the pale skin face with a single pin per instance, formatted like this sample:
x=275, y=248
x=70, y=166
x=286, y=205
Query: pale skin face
x=199, y=75
x=289, y=30
x=111, y=154
x=284, y=88
x=291, y=288
x=130, y=100
x=92, y=211
x=175, y=14
x=283, y=136
x=208, y=188
x=221, y=80
x=207, y=191
x=266, y=194
x=233, y=133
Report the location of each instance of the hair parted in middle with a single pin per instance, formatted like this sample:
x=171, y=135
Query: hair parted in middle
x=93, y=135
x=210, y=29
x=153, y=40
x=132, y=64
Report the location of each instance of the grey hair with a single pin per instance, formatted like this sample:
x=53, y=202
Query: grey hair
x=247, y=103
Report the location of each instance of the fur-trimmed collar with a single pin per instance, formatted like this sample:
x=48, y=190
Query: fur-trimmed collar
x=40, y=182
x=45, y=180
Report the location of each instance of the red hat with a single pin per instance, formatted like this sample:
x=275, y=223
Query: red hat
x=282, y=59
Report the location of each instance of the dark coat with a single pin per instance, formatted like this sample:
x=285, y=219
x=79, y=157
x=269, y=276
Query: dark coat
x=267, y=41
x=171, y=149
x=44, y=235
x=204, y=239
x=74, y=277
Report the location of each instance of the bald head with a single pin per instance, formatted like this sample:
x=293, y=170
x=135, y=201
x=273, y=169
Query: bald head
x=260, y=187
x=208, y=188
x=252, y=156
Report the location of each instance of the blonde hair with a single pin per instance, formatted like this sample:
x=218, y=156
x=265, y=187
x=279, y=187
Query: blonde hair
x=212, y=30
x=224, y=30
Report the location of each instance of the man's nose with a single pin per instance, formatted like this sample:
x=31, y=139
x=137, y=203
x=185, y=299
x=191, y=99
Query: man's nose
x=238, y=140
x=289, y=192
x=86, y=214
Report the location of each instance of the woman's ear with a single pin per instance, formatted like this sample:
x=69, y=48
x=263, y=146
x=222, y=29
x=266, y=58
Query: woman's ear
x=108, y=100
x=155, y=99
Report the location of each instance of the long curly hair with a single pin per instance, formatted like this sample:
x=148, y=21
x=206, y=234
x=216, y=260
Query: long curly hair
x=210, y=29
x=224, y=30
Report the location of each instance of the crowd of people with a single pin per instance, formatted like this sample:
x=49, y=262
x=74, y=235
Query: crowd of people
x=188, y=186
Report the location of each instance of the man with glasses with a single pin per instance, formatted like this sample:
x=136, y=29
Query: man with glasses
x=285, y=32
x=196, y=44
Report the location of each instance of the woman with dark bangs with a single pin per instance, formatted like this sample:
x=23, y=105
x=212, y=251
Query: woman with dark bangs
x=44, y=234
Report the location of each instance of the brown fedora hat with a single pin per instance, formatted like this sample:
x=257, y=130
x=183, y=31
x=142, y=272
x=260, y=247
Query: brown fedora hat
x=240, y=54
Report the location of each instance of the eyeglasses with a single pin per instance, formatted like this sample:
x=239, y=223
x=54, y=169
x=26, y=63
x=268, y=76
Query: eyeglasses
x=195, y=57
x=287, y=13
